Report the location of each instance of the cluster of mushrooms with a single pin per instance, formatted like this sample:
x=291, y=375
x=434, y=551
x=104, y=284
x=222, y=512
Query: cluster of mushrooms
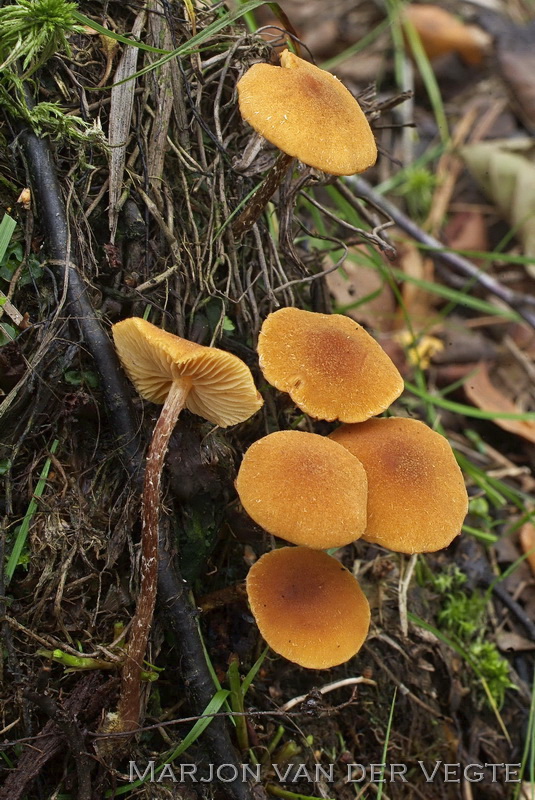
x=391, y=481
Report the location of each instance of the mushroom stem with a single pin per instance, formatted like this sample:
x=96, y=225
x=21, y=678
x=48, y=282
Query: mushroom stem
x=129, y=703
x=262, y=196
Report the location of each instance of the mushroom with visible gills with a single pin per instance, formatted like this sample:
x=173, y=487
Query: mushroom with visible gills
x=304, y=488
x=308, y=114
x=308, y=607
x=329, y=365
x=209, y=382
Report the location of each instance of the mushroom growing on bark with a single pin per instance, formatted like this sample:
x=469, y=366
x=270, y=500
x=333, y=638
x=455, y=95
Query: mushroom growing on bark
x=308, y=114
x=329, y=365
x=308, y=607
x=417, y=499
x=304, y=488
x=212, y=383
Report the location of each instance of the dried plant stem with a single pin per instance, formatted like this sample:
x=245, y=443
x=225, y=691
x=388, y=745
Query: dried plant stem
x=262, y=196
x=404, y=582
x=129, y=703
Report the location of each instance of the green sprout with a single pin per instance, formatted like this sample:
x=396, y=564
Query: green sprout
x=462, y=619
x=33, y=30
x=417, y=189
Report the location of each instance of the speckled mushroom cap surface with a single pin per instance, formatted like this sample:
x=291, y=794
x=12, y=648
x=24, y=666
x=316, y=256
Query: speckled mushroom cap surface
x=222, y=389
x=417, y=499
x=304, y=488
x=329, y=365
x=308, y=607
x=307, y=113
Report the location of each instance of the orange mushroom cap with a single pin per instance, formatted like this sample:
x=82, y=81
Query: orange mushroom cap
x=221, y=390
x=304, y=488
x=307, y=113
x=417, y=499
x=329, y=365
x=440, y=32
x=308, y=607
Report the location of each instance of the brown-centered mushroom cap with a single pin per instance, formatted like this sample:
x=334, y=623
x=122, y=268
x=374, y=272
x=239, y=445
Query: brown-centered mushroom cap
x=308, y=607
x=329, y=365
x=221, y=391
x=304, y=488
x=307, y=113
x=417, y=499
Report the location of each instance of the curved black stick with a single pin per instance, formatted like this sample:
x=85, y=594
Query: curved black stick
x=53, y=218
x=181, y=616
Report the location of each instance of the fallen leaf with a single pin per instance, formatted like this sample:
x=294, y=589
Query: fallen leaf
x=466, y=230
x=508, y=641
x=505, y=171
x=418, y=303
x=25, y=198
x=360, y=292
x=527, y=542
x=483, y=394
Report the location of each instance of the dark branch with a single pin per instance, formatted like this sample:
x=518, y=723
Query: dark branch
x=522, y=304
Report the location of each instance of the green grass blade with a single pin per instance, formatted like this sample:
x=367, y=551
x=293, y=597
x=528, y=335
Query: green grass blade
x=358, y=47
x=7, y=226
x=528, y=754
x=431, y=628
x=251, y=675
x=22, y=534
x=427, y=74
x=192, y=44
x=387, y=739
x=482, y=536
x=468, y=411
x=212, y=708
x=118, y=37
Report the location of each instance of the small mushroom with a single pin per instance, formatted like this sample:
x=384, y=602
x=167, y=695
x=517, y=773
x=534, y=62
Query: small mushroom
x=308, y=114
x=417, y=499
x=442, y=33
x=304, y=488
x=212, y=383
x=329, y=365
x=308, y=607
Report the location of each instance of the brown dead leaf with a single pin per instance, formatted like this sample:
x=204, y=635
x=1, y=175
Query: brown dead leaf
x=527, y=542
x=356, y=281
x=418, y=302
x=441, y=33
x=508, y=641
x=466, y=231
x=484, y=395
x=25, y=199
x=506, y=172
